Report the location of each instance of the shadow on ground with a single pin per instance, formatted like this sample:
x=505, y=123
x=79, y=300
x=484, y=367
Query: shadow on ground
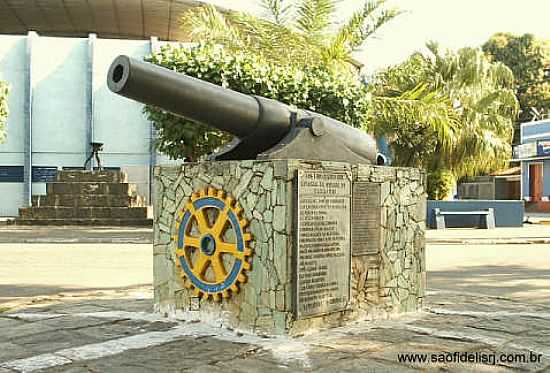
x=120, y=335
x=10, y=292
x=75, y=234
x=509, y=281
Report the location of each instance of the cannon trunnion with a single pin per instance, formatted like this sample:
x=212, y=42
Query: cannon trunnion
x=263, y=128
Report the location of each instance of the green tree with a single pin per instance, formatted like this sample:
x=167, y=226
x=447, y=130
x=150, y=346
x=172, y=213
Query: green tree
x=472, y=104
x=4, y=90
x=314, y=88
x=303, y=33
x=528, y=58
x=296, y=54
x=444, y=112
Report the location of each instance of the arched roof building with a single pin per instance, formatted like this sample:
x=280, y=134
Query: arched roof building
x=121, y=19
x=55, y=54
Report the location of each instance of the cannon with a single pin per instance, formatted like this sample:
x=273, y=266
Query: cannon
x=263, y=128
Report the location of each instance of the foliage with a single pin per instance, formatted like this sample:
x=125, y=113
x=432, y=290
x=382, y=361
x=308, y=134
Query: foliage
x=450, y=113
x=418, y=123
x=315, y=88
x=4, y=90
x=295, y=55
x=440, y=183
x=446, y=111
x=528, y=58
x=299, y=32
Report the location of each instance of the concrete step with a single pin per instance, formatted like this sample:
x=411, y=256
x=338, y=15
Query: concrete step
x=537, y=207
x=89, y=222
x=88, y=188
x=52, y=212
x=91, y=200
x=81, y=176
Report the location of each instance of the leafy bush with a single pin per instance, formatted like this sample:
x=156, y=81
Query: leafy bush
x=340, y=96
x=4, y=89
x=440, y=183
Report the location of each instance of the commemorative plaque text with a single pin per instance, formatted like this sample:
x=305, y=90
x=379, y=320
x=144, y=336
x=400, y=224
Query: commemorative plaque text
x=367, y=220
x=323, y=241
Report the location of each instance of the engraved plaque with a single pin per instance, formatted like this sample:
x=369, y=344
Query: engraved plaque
x=323, y=266
x=367, y=219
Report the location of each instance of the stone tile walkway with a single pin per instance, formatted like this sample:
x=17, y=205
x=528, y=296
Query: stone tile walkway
x=115, y=331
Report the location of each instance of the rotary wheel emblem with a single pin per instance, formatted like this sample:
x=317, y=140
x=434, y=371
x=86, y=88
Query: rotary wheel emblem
x=212, y=244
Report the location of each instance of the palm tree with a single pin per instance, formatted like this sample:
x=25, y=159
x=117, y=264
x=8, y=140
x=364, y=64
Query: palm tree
x=477, y=109
x=442, y=111
x=483, y=94
x=303, y=32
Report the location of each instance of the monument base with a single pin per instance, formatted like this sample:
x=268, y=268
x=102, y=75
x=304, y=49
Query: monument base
x=82, y=197
x=285, y=246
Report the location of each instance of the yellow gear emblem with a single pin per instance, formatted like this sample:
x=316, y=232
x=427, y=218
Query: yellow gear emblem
x=212, y=244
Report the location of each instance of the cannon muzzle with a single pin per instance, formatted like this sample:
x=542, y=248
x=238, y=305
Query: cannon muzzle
x=264, y=128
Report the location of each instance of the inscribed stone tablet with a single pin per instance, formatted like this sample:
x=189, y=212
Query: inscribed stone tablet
x=366, y=217
x=323, y=257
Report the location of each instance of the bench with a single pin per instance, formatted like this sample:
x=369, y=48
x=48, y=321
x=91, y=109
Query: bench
x=486, y=217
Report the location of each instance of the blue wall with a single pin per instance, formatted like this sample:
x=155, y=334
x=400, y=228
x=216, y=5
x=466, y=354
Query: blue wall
x=70, y=106
x=507, y=213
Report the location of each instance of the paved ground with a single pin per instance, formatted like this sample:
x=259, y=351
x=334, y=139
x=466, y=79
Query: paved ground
x=520, y=272
x=115, y=332
x=29, y=270
x=45, y=269
x=537, y=217
x=71, y=307
x=529, y=233
x=37, y=234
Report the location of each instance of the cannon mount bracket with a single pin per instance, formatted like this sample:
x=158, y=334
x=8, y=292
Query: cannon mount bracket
x=309, y=139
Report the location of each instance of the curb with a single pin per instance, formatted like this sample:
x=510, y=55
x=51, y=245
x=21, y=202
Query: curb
x=54, y=240
x=488, y=241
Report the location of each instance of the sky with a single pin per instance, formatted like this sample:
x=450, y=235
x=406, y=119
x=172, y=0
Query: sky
x=451, y=23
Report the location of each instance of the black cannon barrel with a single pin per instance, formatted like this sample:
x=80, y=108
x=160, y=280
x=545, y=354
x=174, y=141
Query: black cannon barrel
x=260, y=122
x=195, y=99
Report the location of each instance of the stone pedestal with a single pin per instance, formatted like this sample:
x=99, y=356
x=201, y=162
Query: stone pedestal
x=283, y=246
x=87, y=198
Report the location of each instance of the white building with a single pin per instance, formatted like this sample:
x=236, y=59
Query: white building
x=59, y=101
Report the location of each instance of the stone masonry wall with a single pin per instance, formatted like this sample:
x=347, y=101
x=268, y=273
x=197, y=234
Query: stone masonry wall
x=262, y=190
x=399, y=268
x=388, y=281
